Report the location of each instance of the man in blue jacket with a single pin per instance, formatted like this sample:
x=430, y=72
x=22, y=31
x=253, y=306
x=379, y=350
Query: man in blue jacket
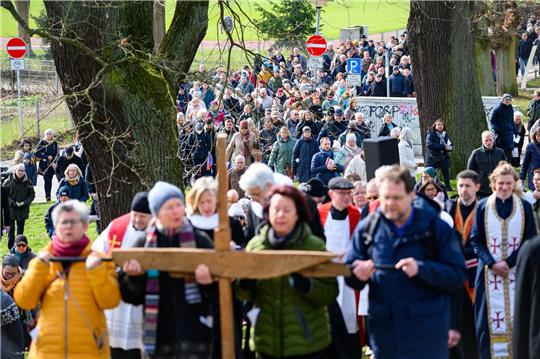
x=304, y=150
x=323, y=165
x=412, y=260
x=397, y=83
x=502, y=123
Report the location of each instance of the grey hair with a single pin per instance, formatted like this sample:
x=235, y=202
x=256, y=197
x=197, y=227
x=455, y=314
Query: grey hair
x=71, y=206
x=239, y=157
x=395, y=132
x=351, y=137
x=518, y=114
x=406, y=135
x=47, y=131
x=258, y=175
x=488, y=133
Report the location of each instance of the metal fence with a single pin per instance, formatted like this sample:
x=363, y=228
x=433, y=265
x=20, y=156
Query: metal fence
x=37, y=76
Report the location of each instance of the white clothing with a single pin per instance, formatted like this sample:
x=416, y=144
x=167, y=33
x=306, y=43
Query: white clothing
x=357, y=166
x=406, y=157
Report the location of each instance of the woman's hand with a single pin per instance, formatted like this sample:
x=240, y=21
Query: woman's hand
x=203, y=275
x=132, y=268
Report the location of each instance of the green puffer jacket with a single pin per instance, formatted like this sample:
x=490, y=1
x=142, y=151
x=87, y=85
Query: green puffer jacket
x=290, y=322
x=281, y=154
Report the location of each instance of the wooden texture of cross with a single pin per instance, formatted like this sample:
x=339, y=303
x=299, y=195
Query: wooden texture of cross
x=225, y=264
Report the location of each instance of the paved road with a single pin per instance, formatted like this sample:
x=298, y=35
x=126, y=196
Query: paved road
x=39, y=188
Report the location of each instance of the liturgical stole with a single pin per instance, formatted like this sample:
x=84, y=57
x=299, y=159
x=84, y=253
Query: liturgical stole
x=503, y=237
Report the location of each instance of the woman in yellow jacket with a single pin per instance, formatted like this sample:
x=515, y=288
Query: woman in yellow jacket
x=73, y=293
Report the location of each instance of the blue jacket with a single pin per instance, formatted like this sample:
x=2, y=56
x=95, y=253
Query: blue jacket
x=531, y=161
x=43, y=151
x=436, y=155
x=397, y=85
x=78, y=192
x=502, y=123
x=303, y=152
x=318, y=167
x=410, y=317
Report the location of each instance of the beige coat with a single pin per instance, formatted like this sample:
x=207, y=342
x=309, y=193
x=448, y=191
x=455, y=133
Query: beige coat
x=236, y=147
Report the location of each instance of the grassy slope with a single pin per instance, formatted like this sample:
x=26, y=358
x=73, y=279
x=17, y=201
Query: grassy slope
x=35, y=229
x=379, y=15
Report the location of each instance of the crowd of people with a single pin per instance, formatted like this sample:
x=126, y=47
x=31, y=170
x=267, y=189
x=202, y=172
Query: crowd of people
x=431, y=275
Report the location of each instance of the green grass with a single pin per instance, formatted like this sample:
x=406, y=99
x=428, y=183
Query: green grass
x=535, y=84
x=34, y=229
x=378, y=15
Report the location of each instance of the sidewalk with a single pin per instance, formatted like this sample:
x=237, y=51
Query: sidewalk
x=39, y=188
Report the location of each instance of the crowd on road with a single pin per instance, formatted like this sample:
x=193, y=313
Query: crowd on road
x=435, y=271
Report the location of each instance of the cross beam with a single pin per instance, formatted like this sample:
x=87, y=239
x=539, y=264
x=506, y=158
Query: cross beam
x=225, y=264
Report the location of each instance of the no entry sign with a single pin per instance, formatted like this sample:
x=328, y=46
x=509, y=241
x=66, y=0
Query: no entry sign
x=16, y=47
x=316, y=45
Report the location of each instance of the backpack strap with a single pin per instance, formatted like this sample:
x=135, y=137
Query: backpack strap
x=367, y=234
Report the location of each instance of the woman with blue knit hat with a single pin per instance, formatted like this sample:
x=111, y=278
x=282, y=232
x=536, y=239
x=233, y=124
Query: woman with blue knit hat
x=176, y=310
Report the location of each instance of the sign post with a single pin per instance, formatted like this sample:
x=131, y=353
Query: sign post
x=354, y=71
x=16, y=48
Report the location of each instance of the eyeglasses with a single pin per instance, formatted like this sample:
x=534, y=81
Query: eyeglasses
x=372, y=198
x=21, y=245
x=69, y=222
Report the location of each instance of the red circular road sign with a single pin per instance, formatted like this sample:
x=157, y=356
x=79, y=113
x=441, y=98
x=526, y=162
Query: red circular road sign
x=316, y=45
x=16, y=47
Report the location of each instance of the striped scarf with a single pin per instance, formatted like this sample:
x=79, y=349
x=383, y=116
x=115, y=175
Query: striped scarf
x=186, y=239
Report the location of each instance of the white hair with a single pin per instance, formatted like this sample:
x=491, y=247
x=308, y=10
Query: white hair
x=239, y=158
x=71, y=206
x=258, y=175
x=518, y=114
x=351, y=137
x=406, y=135
x=358, y=114
x=395, y=132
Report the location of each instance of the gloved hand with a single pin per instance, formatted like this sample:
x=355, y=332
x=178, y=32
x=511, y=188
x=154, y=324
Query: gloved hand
x=20, y=204
x=300, y=283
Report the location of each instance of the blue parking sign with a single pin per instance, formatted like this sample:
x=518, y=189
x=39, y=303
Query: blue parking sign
x=354, y=66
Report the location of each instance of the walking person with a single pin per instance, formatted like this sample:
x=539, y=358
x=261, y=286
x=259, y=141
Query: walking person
x=304, y=150
x=502, y=124
x=75, y=183
x=282, y=153
x=411, y=260
x=438, y=145
x=20, y=193
x=47, y=152
x=73, y=294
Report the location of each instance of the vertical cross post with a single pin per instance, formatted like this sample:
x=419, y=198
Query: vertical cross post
x=222, y=237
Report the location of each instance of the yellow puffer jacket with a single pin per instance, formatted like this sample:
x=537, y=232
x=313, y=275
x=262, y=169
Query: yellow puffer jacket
x=71, y=322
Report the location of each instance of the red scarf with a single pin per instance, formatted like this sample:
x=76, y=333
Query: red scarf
x=72, y=249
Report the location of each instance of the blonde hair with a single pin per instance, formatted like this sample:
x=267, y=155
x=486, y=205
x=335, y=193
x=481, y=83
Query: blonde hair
x=201, y=185
x=73, y=166
x=504, y=169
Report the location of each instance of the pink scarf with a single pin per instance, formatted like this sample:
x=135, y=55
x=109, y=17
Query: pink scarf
x=72, y=249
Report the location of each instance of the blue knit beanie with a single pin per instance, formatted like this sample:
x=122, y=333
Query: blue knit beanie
x=161, y=193
x=431, y=171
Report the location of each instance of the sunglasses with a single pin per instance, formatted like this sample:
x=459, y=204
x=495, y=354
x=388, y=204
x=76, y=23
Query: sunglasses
x=21, y=245
x=372, y=198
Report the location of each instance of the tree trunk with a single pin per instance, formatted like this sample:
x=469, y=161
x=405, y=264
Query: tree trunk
x=446, y=79
x=485, y=70
x=158, y=23
x=23, y=8
x=506, y=69
x=124, y=111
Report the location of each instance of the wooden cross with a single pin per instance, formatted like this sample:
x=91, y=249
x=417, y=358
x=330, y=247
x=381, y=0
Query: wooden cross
x=225, y=264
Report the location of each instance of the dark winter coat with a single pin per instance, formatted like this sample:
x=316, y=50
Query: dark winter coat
x=281, y=155
x=49, y=226
x=437, y=155
x=385, y=129
x=201, y=144
x=410, y=318
x=319, y=169
x=484, y=161
x=303, y=152
x=24, y=258
x=408, y=85
x=502, y=123
x=78, y=191
x=291, y=321
x=19, y=190
x=12, y=333
x=531, y=161
x=311, y=124
x=524, y=48
x=30, y=167
x=397, y=85
x=332, y=130
x=177, y=320
x=64, y=162
x=5, y=218
x=533, y=112
x=45, y=149
x=377, y=89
